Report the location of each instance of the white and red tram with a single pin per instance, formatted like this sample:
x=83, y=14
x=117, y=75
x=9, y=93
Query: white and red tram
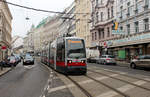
x=67, y=54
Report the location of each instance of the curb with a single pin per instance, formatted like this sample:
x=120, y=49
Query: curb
x=5, y=72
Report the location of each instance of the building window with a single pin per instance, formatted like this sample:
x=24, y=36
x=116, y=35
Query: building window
x=96, y=3
x=101, y=1
x=99, y=31
x=108, y=32
x=92, y=36
x=101, y=16
x=121, y=12
x=121, y=28
x=128, y=9
x=97, y=16
x=108, y=13
x=136, y=27
x=146, y=24
x=136, y=6
x=102, y=32
x=128, y=29
x=112, y=12
x=111, y=30
x=146, y=4
x=95, y=36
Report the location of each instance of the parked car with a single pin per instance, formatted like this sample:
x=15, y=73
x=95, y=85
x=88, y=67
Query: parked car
x=106, y=59
x=140, y=61
x=18, y=59
x=12, y=61
x=28, y=60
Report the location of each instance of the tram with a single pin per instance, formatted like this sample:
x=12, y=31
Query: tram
x=66, y=54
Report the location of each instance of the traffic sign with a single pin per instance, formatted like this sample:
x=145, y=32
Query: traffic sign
x=3, y=48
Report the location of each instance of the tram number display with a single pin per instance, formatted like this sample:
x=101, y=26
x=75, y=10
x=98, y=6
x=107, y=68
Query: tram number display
x=72, y=41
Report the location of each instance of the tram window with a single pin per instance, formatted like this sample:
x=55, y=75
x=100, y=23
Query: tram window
x=75, y=49
x=60, y=51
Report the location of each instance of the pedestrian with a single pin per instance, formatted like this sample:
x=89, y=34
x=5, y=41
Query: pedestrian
x=2, y=64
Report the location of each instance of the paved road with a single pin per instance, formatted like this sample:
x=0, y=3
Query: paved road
x=28, y=81
x=104, y=81
x=39, y=81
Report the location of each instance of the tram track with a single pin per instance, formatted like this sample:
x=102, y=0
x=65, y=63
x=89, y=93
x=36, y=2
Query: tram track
x=147, y=89
x=80, y=87
x=88, y=94
x=124, y=75
x=115, y=90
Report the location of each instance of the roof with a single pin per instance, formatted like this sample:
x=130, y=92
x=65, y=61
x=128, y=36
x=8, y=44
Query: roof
x=43, y=22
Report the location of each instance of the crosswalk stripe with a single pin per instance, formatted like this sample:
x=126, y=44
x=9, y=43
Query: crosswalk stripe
x=122, y=89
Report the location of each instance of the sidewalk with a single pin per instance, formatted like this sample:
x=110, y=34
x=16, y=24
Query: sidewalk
x=5, y=70
x=124, y=64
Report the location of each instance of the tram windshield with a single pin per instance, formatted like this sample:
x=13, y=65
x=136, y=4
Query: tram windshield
x=76, y=48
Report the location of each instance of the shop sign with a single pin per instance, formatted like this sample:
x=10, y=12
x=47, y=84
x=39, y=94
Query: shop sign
x=93, y=44
x=130, y=39
x=118, y=32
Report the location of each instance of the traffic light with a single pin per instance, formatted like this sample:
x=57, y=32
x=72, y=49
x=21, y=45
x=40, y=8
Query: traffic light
x=115, y=26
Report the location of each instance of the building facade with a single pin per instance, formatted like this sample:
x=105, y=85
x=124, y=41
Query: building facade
x=103, y=15
x=17, y=45
x=71, y=19
x=5, y=30
x=25, y=44
x=82, y=20
x=133, y=17
x=133, y=21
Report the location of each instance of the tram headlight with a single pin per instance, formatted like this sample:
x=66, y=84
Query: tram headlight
x=69, y=61
x=83, y=61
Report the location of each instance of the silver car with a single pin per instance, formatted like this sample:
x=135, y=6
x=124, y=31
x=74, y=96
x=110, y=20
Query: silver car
x=106, y=59
x=140, y=61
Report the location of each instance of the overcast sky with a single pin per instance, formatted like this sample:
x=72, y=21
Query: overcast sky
x=20, y=25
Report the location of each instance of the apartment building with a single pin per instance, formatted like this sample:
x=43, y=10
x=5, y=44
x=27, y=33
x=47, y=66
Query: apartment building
x=103, y=16
x=71, y=19
x=82, y=20
x=133, y=17
x=133, y=23
x=5, y=30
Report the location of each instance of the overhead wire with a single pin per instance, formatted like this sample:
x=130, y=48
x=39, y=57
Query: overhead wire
x=31, y=8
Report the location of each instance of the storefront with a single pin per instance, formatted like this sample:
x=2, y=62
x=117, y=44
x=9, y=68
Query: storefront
x=129, y=47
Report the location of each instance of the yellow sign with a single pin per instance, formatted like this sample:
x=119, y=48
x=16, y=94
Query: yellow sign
x=72, y=41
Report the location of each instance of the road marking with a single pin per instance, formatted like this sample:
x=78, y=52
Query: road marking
x=60, y=88
x=148, y=79
x=82, y=82
x=108, y=94
x=122, y=89
x=29, y=67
